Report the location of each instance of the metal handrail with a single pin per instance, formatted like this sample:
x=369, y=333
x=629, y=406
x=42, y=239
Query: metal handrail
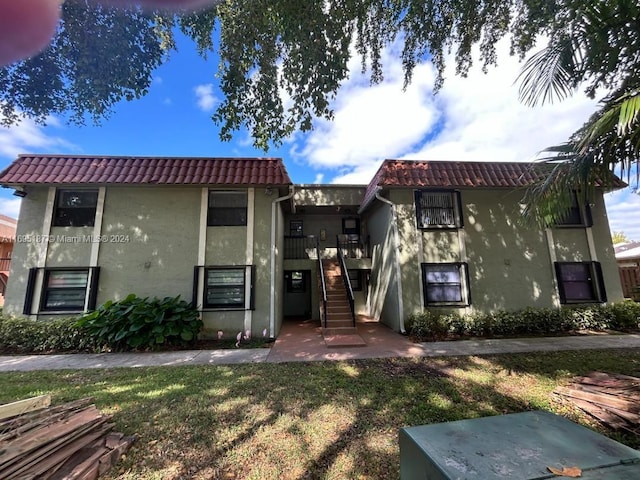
x=347, y=284
x=323, y=312
x=355, y=249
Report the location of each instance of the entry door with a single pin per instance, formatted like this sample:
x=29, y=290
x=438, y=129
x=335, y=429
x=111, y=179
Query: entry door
x=297, y=293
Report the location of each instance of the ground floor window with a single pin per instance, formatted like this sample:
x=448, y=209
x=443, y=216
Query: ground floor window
x=296, y=282
x=228, y=287
x=580, y=282
x=63, y=289
x=445, y=284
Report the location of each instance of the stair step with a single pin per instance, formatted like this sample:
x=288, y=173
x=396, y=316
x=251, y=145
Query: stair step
x=340, y=323
x=339, y=330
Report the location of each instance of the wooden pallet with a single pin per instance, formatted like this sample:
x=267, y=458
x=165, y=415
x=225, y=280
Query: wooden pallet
x=73, y=441
x=612, y=399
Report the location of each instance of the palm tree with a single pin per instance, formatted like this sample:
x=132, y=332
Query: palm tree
x=595, y=45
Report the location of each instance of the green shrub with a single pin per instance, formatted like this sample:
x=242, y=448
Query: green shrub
x=23, y=335
x=427, y=324
x=626, y=315
x=587, y=318
x=136, y=322
x=528, y=321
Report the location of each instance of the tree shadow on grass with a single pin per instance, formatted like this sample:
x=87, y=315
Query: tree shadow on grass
x=305, y=420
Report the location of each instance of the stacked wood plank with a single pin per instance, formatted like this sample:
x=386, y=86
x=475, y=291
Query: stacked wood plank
x=612, y=399
x=73, y=441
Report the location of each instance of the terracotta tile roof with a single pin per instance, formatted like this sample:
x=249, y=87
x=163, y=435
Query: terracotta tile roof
x=448, y=174
x=61, y=169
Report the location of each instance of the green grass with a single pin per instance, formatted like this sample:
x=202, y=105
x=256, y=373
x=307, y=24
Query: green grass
x=334, y=420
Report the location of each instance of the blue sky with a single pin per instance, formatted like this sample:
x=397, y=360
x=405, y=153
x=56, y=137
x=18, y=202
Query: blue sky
x=476, y=118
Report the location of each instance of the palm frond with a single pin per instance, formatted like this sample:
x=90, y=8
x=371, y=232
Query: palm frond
x=548, y=75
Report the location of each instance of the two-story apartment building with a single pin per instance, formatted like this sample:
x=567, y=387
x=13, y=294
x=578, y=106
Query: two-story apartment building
x=249, y=248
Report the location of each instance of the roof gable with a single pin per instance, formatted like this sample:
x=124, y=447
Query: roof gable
x=60, y=169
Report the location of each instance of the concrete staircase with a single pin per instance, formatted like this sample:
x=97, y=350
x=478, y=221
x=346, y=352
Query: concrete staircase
x=339, y=330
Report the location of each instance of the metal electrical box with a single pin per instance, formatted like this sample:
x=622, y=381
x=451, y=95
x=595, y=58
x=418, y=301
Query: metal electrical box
x=518, y=446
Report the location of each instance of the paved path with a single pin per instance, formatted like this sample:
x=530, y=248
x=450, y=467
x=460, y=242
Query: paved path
x=304, y=343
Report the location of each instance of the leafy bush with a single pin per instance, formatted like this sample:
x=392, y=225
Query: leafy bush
x=136, y=322
x=626, y=315
x=431, y=325
x=427, y=325
x=23, y=335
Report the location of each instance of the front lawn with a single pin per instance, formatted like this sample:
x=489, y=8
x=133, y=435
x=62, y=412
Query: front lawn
x=336, y=420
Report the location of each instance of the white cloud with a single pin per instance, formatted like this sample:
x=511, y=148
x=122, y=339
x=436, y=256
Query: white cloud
x=372, y=122
x=319, y=178
x=206, y=100
x=27, y=136
x=485, y=121
x=474, y=118
x=10, y=206
x=622, y=209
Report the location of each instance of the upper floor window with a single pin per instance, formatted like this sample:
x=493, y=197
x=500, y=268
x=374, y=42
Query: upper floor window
x=75, y=208
x=580, y=282
x=227, y=208
x=578, y=215
x=438, y=209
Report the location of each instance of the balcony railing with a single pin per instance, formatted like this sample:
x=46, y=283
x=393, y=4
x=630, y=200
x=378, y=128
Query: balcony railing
x=353, y=246
x=300, y=248
x=5, y=264
x=304, y=248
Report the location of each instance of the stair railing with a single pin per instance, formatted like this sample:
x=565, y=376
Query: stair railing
x=323, y=286
x=347, y=284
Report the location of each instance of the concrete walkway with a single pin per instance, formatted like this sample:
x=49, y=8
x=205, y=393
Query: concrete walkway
x=302, y=341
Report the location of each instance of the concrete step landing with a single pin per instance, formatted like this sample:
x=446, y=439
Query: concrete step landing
x=336, y=337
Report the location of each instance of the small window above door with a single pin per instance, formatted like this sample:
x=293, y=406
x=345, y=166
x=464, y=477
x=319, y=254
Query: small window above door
x=351, y=226
x=295, y=228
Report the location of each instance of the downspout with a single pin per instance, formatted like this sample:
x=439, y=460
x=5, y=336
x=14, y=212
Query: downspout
x=396, y=241
x=272, y=297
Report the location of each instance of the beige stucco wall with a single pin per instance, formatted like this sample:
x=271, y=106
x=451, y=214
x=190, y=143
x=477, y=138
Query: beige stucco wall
x=151, y=242
x=382, y=295
x=327, y=195
x=509, y=262
x=229, y=246
x=151, y=249
x=26, y=249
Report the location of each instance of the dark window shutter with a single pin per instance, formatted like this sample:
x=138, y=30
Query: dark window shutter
x=93, y=288
x=558, y=268
x=31, y=285
x=588, y=218
x=599, y=278
x=194, y=292
x=459, y=208
x=251, y=286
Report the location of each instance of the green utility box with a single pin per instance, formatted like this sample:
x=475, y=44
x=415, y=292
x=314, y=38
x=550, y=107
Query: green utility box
x=519, y=446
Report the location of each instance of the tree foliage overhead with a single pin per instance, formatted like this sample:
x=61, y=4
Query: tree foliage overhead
x=98, y=57
x=283, y=61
